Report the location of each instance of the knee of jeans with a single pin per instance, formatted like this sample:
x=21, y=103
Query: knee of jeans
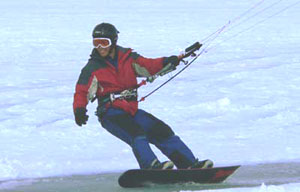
x=138, y=140
x=160, y=132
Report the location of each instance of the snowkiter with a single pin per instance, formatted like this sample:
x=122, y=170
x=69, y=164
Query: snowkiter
x=111, y=76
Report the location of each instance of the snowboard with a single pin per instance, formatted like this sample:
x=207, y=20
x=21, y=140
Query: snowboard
x=141, y=177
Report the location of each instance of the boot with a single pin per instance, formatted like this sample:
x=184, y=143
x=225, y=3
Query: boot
x=202, y=164
x=164, y=165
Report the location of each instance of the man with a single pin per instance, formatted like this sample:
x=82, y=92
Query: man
x=110, y=75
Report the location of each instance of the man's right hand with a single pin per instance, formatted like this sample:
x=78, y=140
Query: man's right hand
x=80, y=116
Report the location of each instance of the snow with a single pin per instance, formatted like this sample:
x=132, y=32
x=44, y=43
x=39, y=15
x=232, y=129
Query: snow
x=237, y=104
x=262, y=188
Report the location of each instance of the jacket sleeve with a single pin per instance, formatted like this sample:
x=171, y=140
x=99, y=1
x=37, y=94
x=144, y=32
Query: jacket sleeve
x=146, y=67
x=86, y=88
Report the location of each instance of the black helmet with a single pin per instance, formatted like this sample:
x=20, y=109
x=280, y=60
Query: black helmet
x=106, y=30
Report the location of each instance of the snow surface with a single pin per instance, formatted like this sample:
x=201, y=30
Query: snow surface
x=237, y=104
x=262, y=188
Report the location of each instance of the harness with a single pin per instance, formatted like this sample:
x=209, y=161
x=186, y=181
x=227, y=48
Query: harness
x=128, y=95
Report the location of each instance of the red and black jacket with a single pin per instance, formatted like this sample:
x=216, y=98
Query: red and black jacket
x=99, y=77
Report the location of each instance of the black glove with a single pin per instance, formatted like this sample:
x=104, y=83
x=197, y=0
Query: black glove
x=174, y=60
x=80, y=116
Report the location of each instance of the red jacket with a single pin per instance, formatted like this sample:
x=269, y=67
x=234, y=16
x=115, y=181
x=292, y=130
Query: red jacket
x=99, y=77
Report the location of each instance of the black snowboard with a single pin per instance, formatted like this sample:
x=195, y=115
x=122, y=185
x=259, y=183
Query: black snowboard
x=140, y=177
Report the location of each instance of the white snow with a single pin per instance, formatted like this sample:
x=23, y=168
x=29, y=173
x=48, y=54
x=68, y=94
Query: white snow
x=263, y=188
x=237, y=104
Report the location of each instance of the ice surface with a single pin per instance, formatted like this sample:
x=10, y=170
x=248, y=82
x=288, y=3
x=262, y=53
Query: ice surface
x=237, y=104
x=262, y=188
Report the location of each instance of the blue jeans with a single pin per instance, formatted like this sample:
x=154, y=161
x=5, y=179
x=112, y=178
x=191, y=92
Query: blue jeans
x=142, y=129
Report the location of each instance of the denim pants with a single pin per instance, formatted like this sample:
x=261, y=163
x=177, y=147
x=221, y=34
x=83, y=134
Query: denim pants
x=142, y=129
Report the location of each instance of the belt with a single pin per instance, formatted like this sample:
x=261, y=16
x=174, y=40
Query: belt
x=128, y=94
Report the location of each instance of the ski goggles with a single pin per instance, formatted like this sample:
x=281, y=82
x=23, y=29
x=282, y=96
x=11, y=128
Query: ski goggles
x=101, y=42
